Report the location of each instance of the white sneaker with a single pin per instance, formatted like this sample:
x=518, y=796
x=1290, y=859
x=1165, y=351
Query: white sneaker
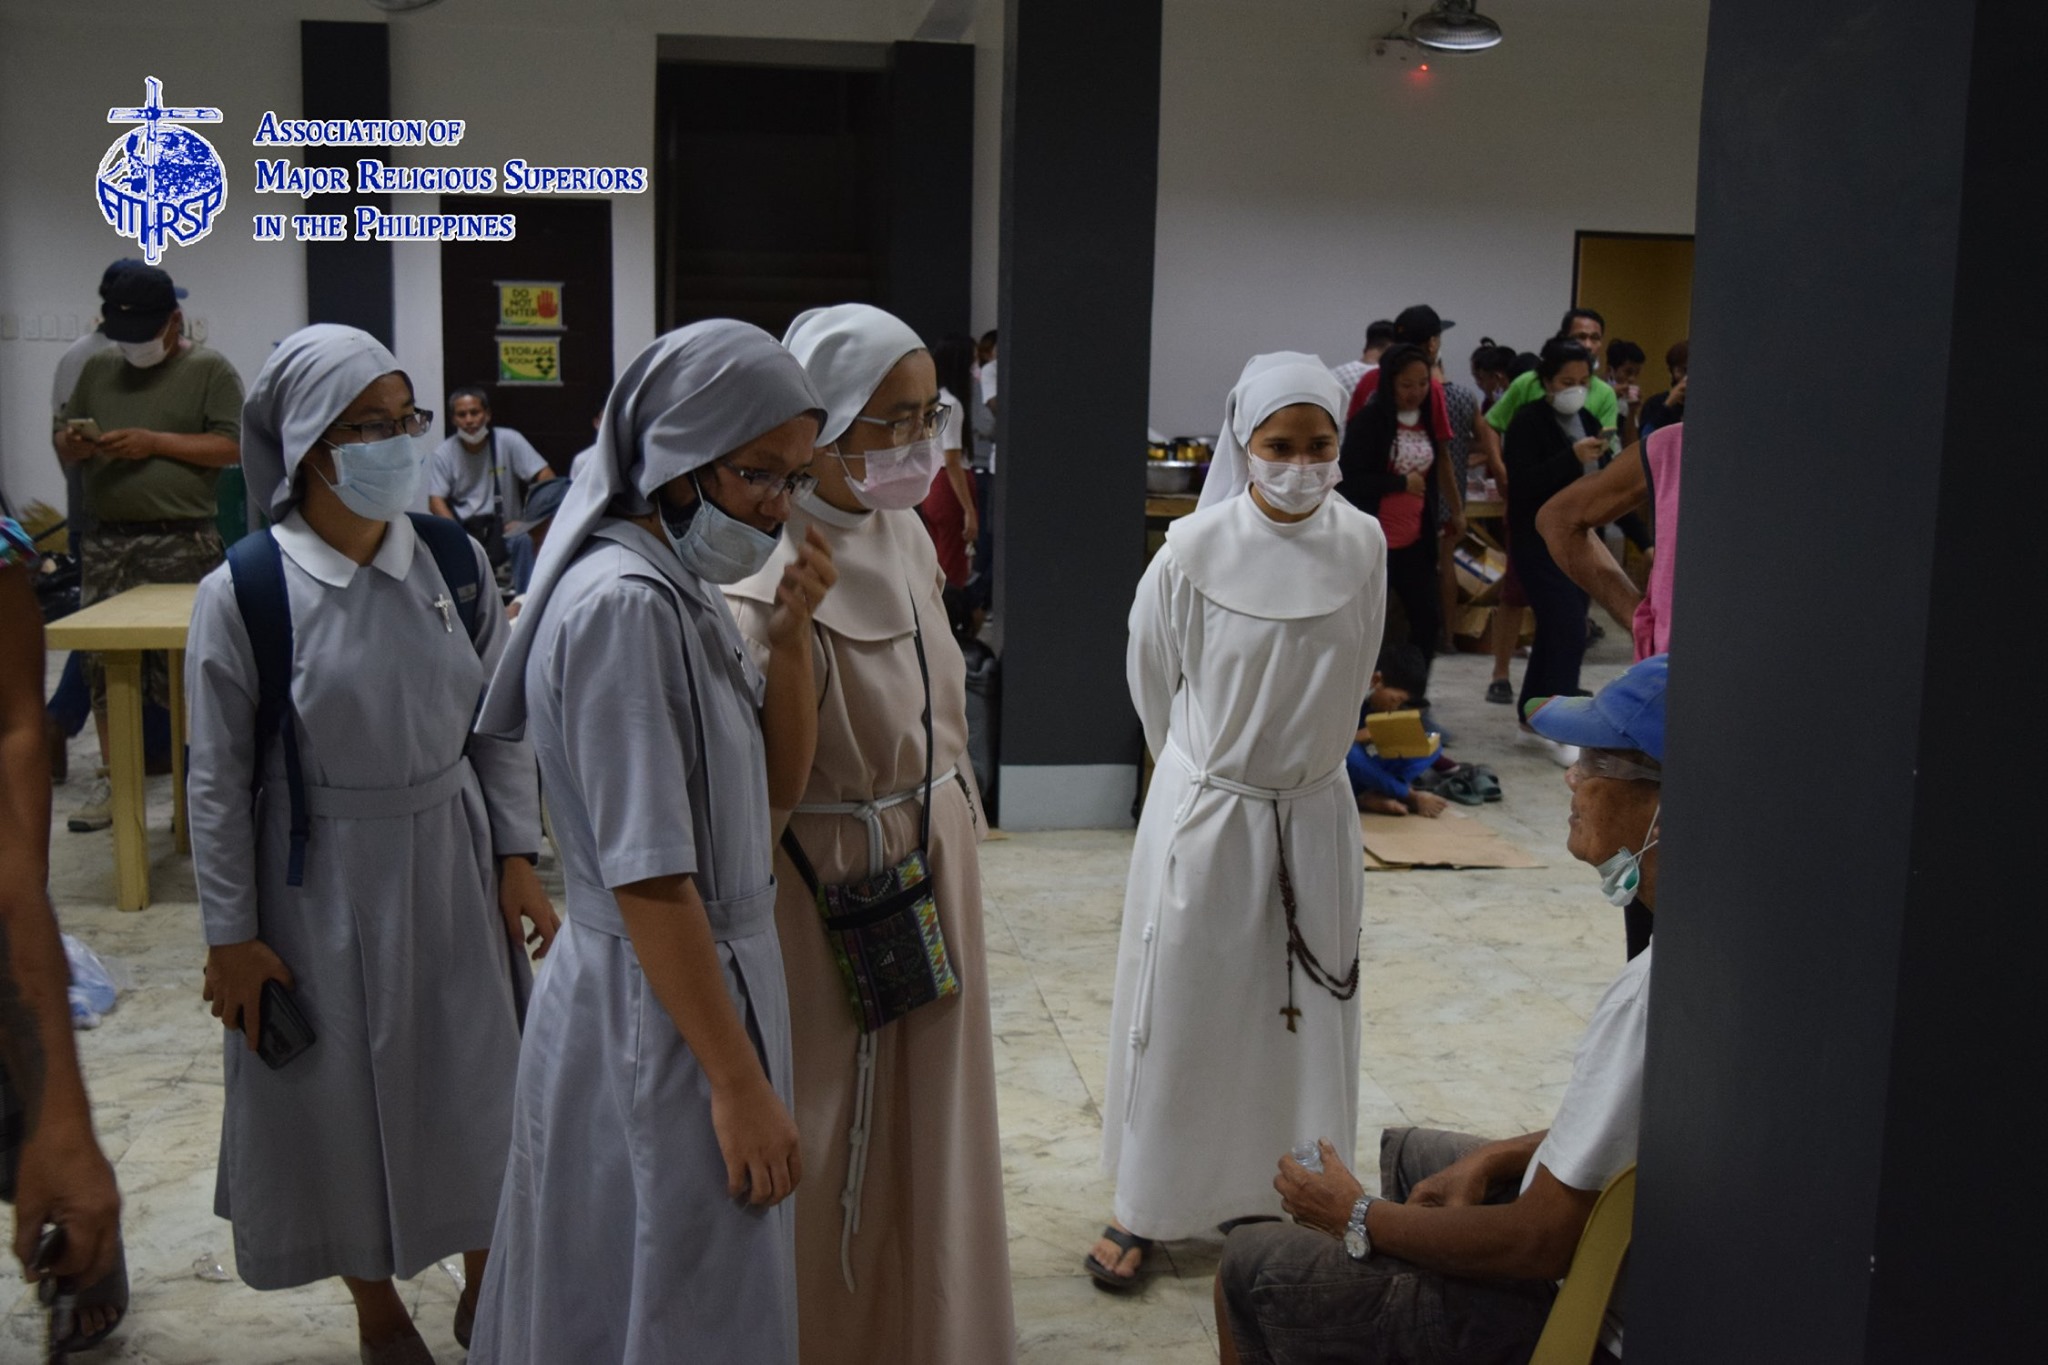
x=97, y=813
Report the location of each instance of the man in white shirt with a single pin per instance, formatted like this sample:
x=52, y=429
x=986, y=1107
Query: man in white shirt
x=479, y=475
x=1378, y=336
x=1458, y=1262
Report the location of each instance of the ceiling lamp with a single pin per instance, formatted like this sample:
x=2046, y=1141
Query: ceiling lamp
x=1455, y=26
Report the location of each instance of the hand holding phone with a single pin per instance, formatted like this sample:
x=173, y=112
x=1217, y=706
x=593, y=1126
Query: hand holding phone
x=85, y=428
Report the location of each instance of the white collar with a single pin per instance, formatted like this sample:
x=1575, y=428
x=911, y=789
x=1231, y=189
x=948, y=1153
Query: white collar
x=817, y=509
x=329, y=565
x=1246, y=562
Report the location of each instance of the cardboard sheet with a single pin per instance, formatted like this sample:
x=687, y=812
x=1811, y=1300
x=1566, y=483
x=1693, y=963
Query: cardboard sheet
x=1454, y=839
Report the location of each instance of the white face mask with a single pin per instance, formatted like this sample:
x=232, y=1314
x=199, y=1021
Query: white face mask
x=1295, y=488
x=478, y=437
x=377, y=480
x=1569, y=401
x=1408, y=417
x=144, y=355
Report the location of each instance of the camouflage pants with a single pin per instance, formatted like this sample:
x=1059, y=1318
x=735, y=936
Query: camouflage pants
x=116, y=561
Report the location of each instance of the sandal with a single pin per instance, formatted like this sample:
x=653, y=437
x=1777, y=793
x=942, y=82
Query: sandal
x=1486, y=782
x=1107, y=1277
x=110, y=1292
x=1462, y=787
x=1232, y=1225
x=1501, y=691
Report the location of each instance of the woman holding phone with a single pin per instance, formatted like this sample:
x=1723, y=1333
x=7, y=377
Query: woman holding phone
x=374, y=888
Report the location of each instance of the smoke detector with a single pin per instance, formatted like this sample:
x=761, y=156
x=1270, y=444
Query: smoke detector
x=1455, y=26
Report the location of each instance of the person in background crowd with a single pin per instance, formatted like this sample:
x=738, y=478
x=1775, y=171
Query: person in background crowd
x=898, y=1121
x=71, y=704
x=380, y=1150
x=51, y=1166
x=1457, y=1264
x=1493, y=369
x=1378, y=336
x=1234, y=1029
x=1549, y=446
x=168, y=412
x=1668, y=407
x=1587, y=329
x=1625, y=362
x=1395, y=467
x=950, y=509
x=1467, y=410
x=1382, y=785
x=645, y=1215
x=480, y=472
x=532, y=529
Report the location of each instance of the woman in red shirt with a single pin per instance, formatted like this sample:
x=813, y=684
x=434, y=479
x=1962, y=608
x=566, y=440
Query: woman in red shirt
x=1395, y=468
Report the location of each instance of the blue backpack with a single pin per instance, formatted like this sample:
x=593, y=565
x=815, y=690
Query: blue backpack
x=256, y=564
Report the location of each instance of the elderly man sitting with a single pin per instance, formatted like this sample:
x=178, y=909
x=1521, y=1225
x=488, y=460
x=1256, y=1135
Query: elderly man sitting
x=1458, y=1262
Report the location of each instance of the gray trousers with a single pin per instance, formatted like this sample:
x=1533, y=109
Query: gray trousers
x=1295, y=1297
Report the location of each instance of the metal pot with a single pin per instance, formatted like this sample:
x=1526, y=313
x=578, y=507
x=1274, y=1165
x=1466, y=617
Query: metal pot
x=1169, y=476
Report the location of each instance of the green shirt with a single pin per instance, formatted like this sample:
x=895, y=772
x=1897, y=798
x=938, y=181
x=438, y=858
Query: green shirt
x=193, y=392
x=1527, y=389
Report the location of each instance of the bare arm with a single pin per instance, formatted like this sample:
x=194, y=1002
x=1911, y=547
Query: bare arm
x=1447, y=489
x=1488, y=441
x=671, y=935
x=64, y=1178
x=438, y=505
x=1570, y=524
x=963, y=491
x=1445, y=1226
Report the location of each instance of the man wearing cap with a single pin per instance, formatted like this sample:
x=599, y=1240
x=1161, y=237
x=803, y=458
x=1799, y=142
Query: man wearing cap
x=525, y=537
x=1459, y=1261
x=1415, y=326
x=152, y=424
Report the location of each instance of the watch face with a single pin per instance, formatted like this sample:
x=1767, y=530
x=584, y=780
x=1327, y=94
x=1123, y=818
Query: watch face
x=1354, y=1242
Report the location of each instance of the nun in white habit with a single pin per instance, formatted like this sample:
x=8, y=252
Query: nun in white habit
x=381, y=1148
x=1234, y=1032
x=644, y=1216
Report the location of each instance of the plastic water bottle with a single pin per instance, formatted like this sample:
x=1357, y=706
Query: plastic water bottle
x=1309, y=1154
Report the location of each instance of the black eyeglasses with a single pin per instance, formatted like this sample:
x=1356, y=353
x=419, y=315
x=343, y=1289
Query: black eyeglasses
x=412, y=424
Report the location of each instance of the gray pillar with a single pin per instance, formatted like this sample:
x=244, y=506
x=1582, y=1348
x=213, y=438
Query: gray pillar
x=1844, y=1093
x=1080, y=191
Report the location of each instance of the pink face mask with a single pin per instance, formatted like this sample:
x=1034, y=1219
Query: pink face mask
x=898, y=478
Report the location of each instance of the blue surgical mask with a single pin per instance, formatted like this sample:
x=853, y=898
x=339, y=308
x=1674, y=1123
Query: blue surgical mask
x=712, y=545
x=379, y=480
x=1622, y=875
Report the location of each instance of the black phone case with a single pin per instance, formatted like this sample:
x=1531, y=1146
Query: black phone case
x=284, y=1033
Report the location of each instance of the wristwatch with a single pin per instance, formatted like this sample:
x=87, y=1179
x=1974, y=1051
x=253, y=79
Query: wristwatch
x=1357, y=1241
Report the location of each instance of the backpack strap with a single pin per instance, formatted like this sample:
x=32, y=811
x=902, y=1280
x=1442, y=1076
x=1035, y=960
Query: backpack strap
x=454, y=556
x=256, y=566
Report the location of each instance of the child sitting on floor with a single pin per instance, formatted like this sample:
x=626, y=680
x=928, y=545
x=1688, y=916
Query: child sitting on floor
x=1383, y=785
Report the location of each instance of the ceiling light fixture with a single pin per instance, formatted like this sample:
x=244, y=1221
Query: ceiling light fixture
x=1455, y=26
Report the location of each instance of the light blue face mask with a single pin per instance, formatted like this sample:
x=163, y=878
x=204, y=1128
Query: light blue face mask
x=712, y=545
x=1622, y=875
x=379, y=480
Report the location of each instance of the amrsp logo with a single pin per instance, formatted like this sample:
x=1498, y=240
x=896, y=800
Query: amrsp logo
x=161, y=183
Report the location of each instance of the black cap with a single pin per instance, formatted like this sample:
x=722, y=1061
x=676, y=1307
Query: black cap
x=543, y=500
x=1419, y=324
x=136, y=300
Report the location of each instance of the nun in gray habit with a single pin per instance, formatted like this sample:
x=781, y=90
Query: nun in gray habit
x=644, y=1215
x=381, y=1148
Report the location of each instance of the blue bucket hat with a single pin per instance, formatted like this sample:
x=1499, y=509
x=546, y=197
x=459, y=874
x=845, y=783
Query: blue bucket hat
x=1628, y=713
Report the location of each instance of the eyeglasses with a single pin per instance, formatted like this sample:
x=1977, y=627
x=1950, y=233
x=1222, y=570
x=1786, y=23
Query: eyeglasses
x=765, y=485
x=903, y=430
x=1606, y=763
x=412, y=424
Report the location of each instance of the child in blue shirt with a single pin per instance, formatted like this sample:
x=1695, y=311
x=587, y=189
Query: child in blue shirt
x=1382, y=785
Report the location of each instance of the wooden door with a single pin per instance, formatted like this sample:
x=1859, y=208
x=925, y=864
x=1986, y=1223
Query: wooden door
x=1642, y=284
x=565, y=242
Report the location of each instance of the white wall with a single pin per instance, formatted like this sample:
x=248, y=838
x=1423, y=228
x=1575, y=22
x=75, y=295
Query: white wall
x=567, y=81
x=1306, y=189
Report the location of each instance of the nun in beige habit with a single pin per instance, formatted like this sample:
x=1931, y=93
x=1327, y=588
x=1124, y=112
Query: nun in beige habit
x=902, y=1254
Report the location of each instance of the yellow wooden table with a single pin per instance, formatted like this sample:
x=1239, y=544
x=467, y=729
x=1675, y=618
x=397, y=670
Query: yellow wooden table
x=120, y=630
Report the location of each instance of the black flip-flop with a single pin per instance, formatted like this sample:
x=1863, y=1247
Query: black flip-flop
x=1232, y=1225
x=110, y=1292
x=1486, y=782
x=1107, y=1277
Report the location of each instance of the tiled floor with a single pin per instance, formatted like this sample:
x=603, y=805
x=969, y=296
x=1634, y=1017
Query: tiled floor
x=1476, y=986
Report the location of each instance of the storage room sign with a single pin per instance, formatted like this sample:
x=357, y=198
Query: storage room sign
x=529, y=360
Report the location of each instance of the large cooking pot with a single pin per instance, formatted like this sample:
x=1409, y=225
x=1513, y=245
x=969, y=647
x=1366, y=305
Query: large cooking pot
x=1167, y=477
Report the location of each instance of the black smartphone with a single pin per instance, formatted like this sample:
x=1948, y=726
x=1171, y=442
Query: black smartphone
x=284, y=1032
